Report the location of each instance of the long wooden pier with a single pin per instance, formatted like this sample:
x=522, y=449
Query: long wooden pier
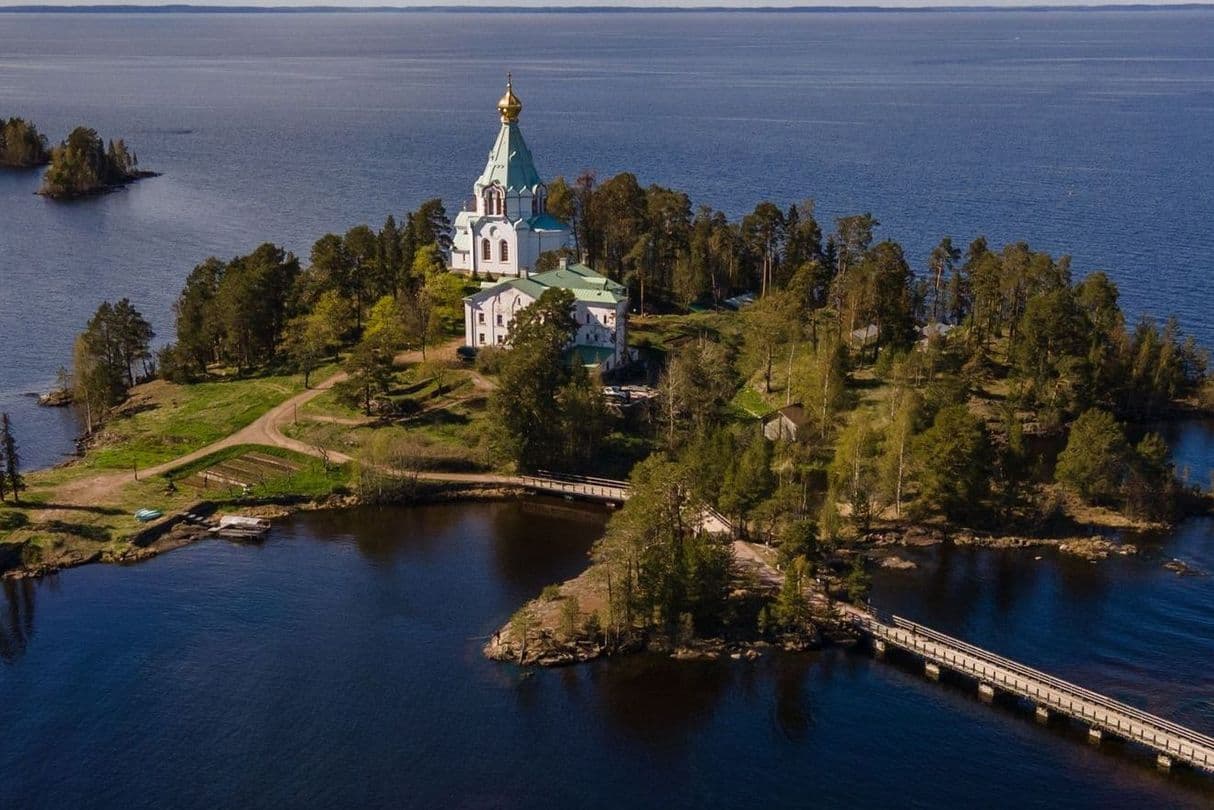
x=1171, y=742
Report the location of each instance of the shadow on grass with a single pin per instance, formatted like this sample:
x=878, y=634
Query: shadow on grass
x=75, y=507
x=99, y=534
x=437, y=418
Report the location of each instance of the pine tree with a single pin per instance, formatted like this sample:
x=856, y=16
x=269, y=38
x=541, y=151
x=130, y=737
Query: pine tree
x=12, y=459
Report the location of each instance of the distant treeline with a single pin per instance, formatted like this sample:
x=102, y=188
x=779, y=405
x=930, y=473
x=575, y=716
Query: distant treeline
x=510, y=9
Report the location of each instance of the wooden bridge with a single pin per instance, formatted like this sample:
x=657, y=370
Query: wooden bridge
x=578, y=486
x=608, y=490
x=1171, y=742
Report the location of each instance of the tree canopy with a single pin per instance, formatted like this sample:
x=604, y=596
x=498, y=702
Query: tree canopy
x=21, y=145
x=84, y=164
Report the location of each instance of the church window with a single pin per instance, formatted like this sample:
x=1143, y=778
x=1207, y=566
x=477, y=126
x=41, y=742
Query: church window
x=499, y=319
x=505, y=251
x=482, y=337
x=501, y=339
x=480, y=317
x=493, y=202
x=486, y=250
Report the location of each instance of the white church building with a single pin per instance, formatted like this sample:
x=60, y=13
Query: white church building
x=505, y=236
x=510, y=226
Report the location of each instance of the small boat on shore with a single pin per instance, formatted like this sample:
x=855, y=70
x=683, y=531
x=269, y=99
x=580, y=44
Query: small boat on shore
x=148, y=515
x=241, y=527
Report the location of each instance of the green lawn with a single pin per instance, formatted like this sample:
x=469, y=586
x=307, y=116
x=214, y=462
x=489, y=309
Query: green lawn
x=749, y=403
x=662, y=332
x=164, y=420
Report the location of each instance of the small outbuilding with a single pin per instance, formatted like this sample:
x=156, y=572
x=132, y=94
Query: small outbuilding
x=787, y=423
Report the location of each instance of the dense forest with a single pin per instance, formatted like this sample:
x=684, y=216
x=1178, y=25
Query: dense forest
x=83, y=164
x=987, y=388
x=370, y=292
x=21, y=145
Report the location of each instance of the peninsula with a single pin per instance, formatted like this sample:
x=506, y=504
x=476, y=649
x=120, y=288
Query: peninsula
x=789, y=403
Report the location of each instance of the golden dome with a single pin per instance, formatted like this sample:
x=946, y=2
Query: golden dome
x=509, y=106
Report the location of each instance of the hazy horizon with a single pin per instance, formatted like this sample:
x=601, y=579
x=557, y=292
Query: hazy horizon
x=639, y=4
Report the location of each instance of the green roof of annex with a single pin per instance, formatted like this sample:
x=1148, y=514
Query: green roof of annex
x=586, y=285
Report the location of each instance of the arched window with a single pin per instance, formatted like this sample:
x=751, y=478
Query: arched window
x=493, y=201
x=486, y=251
x=505, y=251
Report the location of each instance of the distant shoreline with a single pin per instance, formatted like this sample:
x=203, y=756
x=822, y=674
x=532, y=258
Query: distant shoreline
x=590, y=9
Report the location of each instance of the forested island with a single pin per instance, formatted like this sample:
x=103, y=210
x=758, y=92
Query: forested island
x=989, y=398
x=22, y=146
x=84, y=164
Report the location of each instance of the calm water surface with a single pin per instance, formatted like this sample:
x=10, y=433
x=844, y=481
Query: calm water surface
x=1088, y=133
x=339, y=664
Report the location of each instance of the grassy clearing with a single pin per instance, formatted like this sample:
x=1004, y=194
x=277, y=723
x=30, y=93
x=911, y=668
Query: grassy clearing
x=163, y=420
x=664, y=332
x=327, y=406
x=750, y=404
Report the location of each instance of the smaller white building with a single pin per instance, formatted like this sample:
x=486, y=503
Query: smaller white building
x=600, y=309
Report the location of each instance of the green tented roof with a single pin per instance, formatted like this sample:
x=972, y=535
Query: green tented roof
x=510, y=164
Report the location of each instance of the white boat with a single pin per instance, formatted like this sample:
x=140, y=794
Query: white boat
x=240, y=526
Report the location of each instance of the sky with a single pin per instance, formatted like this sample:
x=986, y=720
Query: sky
x=627, y=3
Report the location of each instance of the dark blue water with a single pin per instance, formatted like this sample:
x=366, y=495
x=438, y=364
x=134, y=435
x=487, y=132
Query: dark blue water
x=339, y=665
x=1087, y=133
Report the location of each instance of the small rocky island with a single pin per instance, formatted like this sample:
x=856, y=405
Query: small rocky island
x=21, y=145
x=83, y=165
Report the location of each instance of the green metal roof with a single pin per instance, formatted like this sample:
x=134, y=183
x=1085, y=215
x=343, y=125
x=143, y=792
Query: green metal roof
x=546, y=222
x=585, y=284
x=510, y=164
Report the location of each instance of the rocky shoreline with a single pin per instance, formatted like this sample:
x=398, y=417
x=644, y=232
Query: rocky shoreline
x=97, y=191
x=174, y=532
x=1091, y=547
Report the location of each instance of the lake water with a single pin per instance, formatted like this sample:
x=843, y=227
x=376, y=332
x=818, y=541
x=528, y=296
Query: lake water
x=339, y=665
x=1087, y=133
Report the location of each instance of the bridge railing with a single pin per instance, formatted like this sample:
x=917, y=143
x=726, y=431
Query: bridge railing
x=601, y=488
x=1034, y=679
x=1055, y=682
x=1151, y=730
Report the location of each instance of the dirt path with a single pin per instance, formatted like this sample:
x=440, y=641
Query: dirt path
x=267, y=429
